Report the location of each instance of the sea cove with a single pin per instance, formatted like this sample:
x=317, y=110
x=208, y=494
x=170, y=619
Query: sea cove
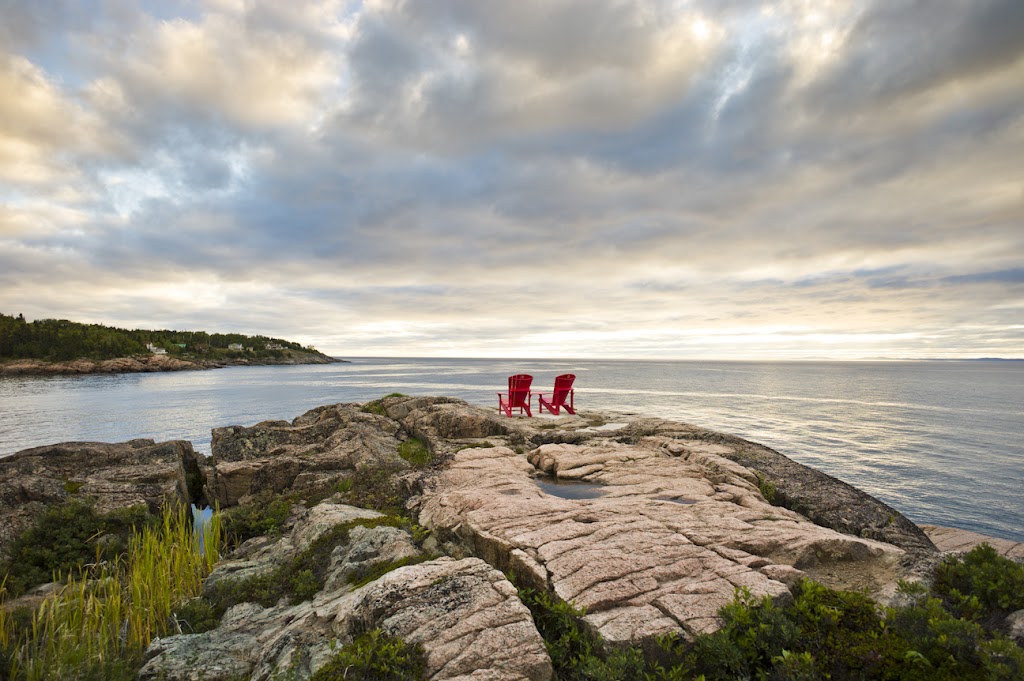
x=943, y=442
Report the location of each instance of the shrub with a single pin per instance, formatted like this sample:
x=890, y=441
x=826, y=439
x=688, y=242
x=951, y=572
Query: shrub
x=265, y=515
x=767, y=489
x=64, y=538
x=196, y=616
x=374, y=656
x=100, y=623
x=364, y=576
x=980, y=585
x=577, y=653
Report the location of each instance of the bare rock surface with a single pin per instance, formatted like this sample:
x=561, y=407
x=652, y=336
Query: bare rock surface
x=464, y=613
x=950, y=539
x=668, y=535
x=138, y=472
x=316, y=450
x=1015, y=626
x=650, y=525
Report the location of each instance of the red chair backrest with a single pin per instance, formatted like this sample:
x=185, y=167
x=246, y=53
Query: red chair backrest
x=563, y=384
x=519, y=388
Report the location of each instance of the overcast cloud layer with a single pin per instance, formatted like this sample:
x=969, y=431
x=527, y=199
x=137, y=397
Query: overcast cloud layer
x=814, y=178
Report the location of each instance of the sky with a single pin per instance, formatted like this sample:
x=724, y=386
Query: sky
x=692, y=179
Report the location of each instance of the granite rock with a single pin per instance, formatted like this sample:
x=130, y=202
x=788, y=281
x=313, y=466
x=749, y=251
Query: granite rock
x=663, y=543
x=138, y=472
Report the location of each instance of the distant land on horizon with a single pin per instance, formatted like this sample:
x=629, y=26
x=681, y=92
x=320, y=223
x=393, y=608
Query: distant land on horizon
x=61, y=340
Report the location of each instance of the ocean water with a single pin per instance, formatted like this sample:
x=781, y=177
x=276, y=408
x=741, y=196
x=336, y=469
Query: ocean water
x=943, y=442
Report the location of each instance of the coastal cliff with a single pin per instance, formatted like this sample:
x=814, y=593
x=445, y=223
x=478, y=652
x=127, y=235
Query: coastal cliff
x=412, y=515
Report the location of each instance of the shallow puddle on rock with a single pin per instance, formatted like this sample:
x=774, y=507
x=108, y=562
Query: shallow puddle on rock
x=569, y=489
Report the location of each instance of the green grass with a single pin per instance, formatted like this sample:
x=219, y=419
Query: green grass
x=416, y=452
x=100, y=623
x=377, y=406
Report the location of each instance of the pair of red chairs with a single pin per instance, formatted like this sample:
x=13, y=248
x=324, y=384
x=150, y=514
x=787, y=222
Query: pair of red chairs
x=519, y=395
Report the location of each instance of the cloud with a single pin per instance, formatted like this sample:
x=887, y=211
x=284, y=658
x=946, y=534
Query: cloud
x=444, y=176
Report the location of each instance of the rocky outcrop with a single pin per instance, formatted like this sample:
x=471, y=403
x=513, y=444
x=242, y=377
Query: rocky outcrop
x=152, y=363
x=657, y=542
x=312, y=452
x=822, y=498
x=649, y=525
x=121, y=365
x=952, y=540
x=114, y=475
x=447, y=424
x=464, y=613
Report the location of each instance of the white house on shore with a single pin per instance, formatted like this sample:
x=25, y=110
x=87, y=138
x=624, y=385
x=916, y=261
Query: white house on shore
x=155, y=349
x=235, y=346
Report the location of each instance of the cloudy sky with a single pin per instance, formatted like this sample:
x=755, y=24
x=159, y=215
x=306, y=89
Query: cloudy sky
x=538, y=178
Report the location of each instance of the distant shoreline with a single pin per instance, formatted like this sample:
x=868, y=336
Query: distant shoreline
x=152, y=364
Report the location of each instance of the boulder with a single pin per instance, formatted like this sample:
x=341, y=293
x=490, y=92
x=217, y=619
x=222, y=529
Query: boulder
x=114, y=475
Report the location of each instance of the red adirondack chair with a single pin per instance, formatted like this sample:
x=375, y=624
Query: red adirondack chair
x=518, y=396
x=563, y=389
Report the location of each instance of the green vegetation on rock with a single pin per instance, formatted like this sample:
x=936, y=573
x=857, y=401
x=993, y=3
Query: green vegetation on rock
x=304, y=575
x=377, y=406
x=415, y=451
x=374, y=656
x=102, y=619
x=945, y=634
x=64, y=538
x=264, y=515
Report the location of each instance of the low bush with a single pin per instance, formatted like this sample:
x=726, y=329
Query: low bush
x=264, y=515
x=64, y=538
x=364, y=576
x=195, y=616
x=980, y=585
x=374, y=656
x=377, y=487
x=99, y=624
x=821, y=634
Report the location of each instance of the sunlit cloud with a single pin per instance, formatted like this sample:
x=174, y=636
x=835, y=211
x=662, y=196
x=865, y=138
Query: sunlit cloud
x=800, y=179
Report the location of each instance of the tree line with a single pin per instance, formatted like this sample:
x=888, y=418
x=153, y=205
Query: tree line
x=58, y=340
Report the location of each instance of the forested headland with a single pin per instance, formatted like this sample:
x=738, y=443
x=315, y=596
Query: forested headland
x=60, y=340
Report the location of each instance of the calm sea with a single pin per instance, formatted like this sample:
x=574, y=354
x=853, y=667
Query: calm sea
x=943, y=442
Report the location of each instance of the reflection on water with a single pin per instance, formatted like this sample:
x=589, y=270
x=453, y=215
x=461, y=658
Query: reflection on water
x=569, y=489
x=941, y=441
